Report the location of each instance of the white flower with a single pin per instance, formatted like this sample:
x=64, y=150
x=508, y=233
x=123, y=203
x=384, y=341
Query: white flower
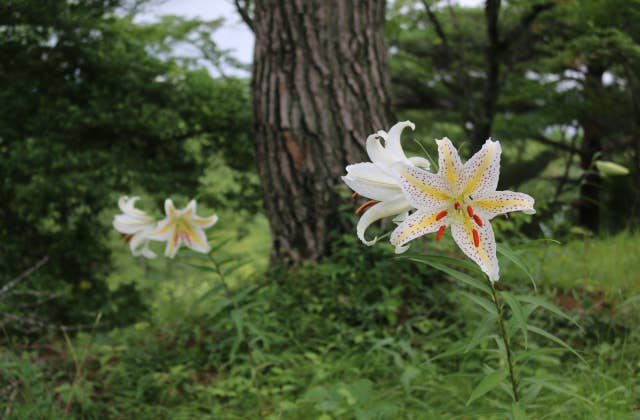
x=462, y=196
x=135, y=226
x=378, y=181
x=183, y=226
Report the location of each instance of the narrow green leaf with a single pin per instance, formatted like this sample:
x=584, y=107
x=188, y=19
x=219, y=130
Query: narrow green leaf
x=236, y=266
x=465, y=278
x=534, y=300
x=482, y=302
x=220, y=244
x=455, y=262
x=518, y=412
x=518, y=314
x=212, y=291
x=487, y=383
x=560, y=389
x=555, y=339
x=515, y=258
x=482, y=331
x=199, y=267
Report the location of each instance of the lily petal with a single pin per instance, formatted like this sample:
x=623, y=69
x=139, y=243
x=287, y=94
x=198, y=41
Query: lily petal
x=204, y=222
x=393, y=142
x=164, y=230
x=379, y=211
x=418, y=224
x=368, y=180
x=481, y=172
x=169, y=208
x=485, y=253
x=449, y=163
x=376, y=151
x=139, y=245
x=197, y=238
x=420, y=162
x=501, y=202
x=173, y=244
x=424, y=190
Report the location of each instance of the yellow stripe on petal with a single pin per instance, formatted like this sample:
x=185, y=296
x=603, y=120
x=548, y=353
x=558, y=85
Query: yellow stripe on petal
x=449, y=161
x=501, y=202
x=424, y=187
x=165, y=229
x=193, y=236
x=418, y=224
x=475, y=179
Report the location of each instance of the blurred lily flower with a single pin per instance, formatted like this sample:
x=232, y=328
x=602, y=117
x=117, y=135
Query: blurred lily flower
x=183, y=226
x=378, y=181
x=463, y=197
x=134, y=225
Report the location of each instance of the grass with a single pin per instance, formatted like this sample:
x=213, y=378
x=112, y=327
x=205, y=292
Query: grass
x=363, y=337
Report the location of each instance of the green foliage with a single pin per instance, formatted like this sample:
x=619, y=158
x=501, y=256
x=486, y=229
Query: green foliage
x=304, y=344
x=89, y=110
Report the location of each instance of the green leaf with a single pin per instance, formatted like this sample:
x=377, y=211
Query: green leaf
x=558, y=388
x=482, y=302
x=487, y=383
x=200, y=267
x=465, y=278
x=555, y=339
x=548, y=306
x=518, y=314
x=212, y=291
x=518, y=412
x=515, y=258
x=482, y=331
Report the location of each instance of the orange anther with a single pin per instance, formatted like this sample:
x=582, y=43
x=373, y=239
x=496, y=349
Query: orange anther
x=441, y=214
x=456, y=205
x=470, y=211
x=365, y=206
x=441, y=232
x=476, y=238
x=477, y=219
x=354, y=195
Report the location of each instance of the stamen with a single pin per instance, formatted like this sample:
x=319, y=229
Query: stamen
x=441, y=215
x=476, y=238
x=477, y=219
x=365, y=206
x=470, y=211
x=355, y=195
x=184, y=235
x=441, y=232
x=127, y=238
x=456, y=205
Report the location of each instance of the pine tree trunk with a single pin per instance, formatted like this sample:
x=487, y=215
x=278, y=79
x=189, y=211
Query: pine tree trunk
x=320, y=86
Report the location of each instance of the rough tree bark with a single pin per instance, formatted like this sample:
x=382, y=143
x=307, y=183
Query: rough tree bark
x=320, y=86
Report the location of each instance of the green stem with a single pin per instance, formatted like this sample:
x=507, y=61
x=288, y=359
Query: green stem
x=221, y=275
x=505, y=339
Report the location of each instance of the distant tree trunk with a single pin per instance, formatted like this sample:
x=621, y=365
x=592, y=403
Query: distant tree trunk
x=588, y=203
x=320, y=86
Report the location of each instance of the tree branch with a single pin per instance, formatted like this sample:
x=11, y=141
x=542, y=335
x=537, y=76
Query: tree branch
x=243, y=7
x=547, y=141
x=525, y=22
x=436, y=25
x=13, y=283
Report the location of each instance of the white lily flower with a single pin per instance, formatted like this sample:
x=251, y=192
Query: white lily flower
x=183, y=226
x=463, y=197
x=378, y=181
x=135, y=226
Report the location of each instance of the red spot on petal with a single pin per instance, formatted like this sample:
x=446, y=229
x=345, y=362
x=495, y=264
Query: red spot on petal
x=365, y=206
x=456, y=205
x=478, y=220
x=441, y=232
x=476, y=238
x=440, y=215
